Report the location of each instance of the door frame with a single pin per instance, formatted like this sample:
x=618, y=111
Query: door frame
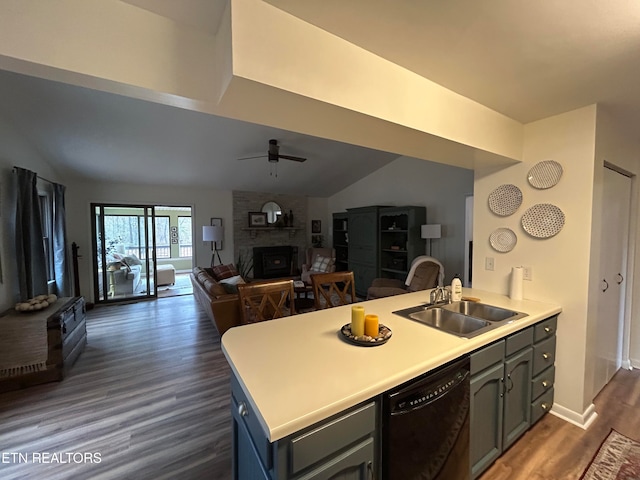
x=150, y=245
x=629, y=266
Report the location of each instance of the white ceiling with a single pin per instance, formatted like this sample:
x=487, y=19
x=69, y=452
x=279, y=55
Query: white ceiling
x=100, y=135
x=528, y=60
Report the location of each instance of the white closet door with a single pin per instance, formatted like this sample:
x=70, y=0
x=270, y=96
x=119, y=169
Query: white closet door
x=613, y=260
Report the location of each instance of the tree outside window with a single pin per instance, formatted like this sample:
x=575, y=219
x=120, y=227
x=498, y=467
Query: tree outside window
x=184, y=236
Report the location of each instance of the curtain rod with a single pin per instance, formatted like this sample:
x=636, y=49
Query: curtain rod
x=38, y=176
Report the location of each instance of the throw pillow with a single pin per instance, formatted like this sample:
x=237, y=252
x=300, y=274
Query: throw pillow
x=322, y=264
x=224, y=271
x=231, y=284
x=132, y=260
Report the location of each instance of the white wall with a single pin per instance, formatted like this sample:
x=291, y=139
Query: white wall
x=205, y=203
x=561, y=264
x=317, y=209
x=410, y=181
x=619, y=150
x=14, y=151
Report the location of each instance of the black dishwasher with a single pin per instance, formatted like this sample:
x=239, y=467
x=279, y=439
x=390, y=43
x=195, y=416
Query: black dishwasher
x=425, y=428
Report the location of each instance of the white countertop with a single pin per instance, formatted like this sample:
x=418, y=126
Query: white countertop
x=297, y=370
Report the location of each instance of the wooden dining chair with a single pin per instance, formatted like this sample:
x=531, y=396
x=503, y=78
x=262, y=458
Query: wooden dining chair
x=266, y=300
x=333, y=289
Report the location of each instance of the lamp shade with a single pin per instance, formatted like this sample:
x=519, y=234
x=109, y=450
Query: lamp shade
x=213, y=233
x=431, y=231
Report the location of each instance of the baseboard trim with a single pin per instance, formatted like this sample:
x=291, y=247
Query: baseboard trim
x=583, y=420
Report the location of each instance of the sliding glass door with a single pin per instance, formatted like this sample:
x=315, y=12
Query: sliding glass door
x=124, y=252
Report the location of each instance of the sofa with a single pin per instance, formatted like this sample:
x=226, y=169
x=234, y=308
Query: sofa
x=219, y=300
x=124, y=280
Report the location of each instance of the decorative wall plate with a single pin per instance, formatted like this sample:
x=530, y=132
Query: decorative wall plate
x=505, y=200
x=545, y=174
x=543, y=220
x=503, y=240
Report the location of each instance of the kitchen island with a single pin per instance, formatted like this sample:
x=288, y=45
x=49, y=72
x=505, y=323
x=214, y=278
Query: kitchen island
x=297, y=371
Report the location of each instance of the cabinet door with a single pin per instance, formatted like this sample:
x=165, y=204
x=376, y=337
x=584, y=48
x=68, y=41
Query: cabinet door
x=246, y=461
x=363, y=229
x=354, y=464
x=363, y=276
x=486, y=418
x=517, y=402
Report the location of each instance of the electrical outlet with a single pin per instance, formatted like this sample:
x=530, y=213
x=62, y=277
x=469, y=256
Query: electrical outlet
x=488, y=263
x=527, y=273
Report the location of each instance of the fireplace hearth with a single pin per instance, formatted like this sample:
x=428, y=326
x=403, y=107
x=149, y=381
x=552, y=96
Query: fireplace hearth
x=273, y=262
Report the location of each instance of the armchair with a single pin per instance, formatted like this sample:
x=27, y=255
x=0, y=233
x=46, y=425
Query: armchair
x=314, y=263
x=426, y=272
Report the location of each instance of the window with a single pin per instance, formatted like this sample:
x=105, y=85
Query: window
x=163, y=242
x=46, y=214
x=125, y=234
x=184, y=236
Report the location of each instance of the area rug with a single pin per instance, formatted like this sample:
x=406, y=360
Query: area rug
x=617, y=459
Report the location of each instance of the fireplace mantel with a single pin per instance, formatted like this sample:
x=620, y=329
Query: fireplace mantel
x=253, y=231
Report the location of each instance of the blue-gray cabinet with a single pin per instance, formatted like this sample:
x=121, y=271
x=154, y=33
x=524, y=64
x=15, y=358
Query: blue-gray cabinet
x=400, y=239
x=544, y=372
x=363, y=246
x=511, y=388
x=342, y=447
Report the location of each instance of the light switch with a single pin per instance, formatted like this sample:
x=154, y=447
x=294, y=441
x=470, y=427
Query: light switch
x=488, y=263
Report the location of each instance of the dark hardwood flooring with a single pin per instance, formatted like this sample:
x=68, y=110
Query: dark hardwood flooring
x=150, y=394
x=556, y=450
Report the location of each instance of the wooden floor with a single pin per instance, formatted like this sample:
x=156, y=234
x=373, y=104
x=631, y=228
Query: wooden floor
x=554, y=449
x=150, y=394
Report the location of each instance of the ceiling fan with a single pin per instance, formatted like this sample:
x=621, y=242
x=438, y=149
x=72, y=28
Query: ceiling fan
x=273, y=154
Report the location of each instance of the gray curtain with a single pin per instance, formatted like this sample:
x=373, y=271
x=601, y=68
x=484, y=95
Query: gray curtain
x=62, y=262
x=32, y=270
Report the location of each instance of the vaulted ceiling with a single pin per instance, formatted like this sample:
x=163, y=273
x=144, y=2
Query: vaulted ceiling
x=526, y=60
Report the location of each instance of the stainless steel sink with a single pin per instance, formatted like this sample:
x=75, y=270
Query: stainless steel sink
x=464, y=319
x=483, y=311
x=449, y=321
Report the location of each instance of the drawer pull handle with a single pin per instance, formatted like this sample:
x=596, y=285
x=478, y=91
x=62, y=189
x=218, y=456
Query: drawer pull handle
x=546, y=356
x=545, y=384
x=544, y=406
x=503, y=389
x=243, y=411
x=548, y=329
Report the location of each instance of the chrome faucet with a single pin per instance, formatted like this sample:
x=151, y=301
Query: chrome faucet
x=440, y=295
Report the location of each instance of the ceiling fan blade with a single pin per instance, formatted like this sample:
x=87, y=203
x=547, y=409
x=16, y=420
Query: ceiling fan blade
x=251, y=158
x=295, y=159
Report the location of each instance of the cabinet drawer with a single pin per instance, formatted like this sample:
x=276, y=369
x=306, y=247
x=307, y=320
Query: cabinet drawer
x=244, y=413
x=544, y=355
x=541, y=406
x=543, y=382
x=545, y=329
x=518, y=341
x=486, y=357
x=331, y=436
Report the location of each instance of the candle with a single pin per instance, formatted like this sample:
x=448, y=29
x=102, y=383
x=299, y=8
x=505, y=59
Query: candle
x=371, y=325
x=357, y=321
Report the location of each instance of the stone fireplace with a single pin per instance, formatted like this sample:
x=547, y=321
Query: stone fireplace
x=246, y=239
x=274, y=262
